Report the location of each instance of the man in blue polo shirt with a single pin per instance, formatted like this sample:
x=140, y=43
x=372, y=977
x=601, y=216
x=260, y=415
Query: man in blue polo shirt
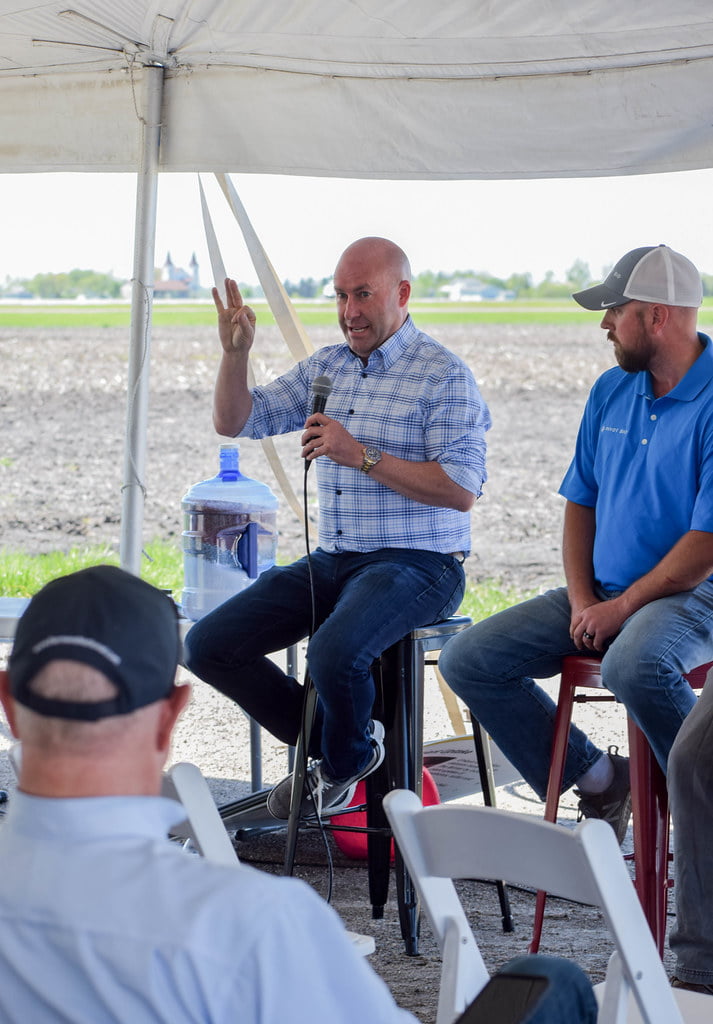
x=637, y=546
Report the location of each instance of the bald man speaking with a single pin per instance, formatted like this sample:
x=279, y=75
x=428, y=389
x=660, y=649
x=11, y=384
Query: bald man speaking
x=399, y=451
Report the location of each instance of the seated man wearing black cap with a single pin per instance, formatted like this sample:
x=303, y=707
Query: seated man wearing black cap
x=637, y=546
x=103, y=919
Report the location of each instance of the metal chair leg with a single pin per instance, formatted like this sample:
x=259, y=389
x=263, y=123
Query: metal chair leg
x=255, y=756
x=299, y=774
x=378, y=839
x=487, y=783
x=408, y=774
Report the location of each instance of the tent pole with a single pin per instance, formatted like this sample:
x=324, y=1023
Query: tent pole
x=133, y=492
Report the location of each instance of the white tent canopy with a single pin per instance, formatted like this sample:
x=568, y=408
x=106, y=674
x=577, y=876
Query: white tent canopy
x=377, y=89
x=382, y=88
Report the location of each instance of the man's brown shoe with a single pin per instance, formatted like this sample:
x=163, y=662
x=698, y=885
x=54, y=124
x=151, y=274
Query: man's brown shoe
x=614, y=804
x=692, y=986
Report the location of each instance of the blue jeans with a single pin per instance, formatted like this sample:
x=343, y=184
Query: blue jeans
x=493, y=666
x=364, y=603
x=690, y=786
x=569, y=999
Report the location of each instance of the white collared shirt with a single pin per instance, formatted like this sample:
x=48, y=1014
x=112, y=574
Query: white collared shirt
x=105, y=921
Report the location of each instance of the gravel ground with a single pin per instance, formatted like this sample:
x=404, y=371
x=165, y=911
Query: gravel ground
x=62, y=415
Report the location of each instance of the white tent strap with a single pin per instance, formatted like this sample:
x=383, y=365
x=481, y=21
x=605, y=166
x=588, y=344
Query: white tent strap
x=216, y=259
x=219, y=275
x=268, y=446
x=289, y=323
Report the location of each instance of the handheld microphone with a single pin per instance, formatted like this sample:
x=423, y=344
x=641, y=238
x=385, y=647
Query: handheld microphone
x=321, y=390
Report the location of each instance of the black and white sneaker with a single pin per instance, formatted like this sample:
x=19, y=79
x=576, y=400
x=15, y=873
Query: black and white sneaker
x=614, y=804
x=323, y=795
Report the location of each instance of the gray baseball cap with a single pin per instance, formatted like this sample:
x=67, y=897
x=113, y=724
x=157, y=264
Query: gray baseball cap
x=652, y=273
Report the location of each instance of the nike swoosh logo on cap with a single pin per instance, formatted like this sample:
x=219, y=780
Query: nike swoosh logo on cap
x=608, y=305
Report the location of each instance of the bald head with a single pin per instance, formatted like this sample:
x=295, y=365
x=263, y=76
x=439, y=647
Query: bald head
x=372, y=283
x=379, y=253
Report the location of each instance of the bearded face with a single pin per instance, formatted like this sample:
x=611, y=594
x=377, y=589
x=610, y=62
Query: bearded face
x=627, y=331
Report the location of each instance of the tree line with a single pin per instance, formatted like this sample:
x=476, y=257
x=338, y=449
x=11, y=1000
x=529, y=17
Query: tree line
x=68, y=285
x=429, y=284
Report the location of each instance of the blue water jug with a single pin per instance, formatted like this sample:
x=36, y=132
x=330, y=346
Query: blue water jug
x=229, y=535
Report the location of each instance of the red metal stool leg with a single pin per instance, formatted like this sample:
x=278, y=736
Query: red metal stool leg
x=577, y=670
x=649, y=797
x=649, y=806
x=565, y=703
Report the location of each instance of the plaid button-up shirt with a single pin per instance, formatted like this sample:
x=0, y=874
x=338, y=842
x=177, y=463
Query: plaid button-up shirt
x=414, y=399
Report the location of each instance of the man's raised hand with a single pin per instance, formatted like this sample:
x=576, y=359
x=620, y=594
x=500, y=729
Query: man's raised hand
x=236, y=321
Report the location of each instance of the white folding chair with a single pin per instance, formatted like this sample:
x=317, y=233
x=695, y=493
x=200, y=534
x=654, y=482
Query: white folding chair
x=205, y=827
x=444, y=842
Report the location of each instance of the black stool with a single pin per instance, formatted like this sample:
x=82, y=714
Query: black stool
x=399, y=677
x=401, y=674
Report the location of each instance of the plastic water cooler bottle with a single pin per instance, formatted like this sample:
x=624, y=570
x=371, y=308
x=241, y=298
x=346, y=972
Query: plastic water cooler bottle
x=229, y=535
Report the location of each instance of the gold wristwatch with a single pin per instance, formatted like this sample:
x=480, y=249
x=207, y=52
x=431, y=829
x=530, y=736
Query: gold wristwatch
x=371, y=457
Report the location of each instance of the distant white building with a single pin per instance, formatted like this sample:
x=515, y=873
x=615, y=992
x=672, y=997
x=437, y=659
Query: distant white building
x=175, y=282
x=472, y=289
x=172, y=282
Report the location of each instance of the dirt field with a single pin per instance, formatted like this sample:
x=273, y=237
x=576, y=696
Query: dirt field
x=62, y=414
x=63, y=409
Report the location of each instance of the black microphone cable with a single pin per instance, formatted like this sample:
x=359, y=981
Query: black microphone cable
x=321, y=388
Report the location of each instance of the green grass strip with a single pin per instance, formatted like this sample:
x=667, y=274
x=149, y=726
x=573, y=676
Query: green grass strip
x=22, y=574
x=523, y=312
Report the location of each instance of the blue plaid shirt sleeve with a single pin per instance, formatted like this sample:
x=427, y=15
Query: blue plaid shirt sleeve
x=413, y=399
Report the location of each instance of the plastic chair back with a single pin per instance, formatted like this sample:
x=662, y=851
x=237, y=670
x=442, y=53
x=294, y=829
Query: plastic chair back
x=204, y=826
x=441, y=843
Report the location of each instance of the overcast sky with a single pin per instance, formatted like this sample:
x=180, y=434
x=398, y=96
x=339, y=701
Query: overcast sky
x=55, y=222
